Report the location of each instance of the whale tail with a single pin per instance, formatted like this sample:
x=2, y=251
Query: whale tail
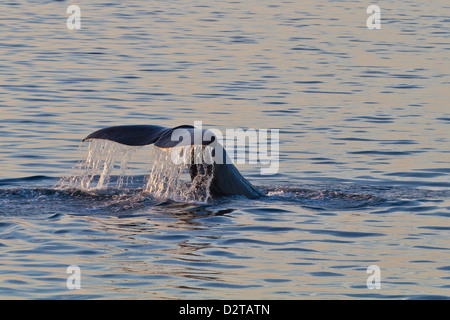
x=225, y=177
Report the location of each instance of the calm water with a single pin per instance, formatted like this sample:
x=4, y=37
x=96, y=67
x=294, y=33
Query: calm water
x=364, y=170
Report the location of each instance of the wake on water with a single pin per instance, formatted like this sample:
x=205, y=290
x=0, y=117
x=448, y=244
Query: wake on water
x=101, y=183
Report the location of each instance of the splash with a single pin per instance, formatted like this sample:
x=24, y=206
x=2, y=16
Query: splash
x=94, y=173
x=167, y=179
x=171, y=180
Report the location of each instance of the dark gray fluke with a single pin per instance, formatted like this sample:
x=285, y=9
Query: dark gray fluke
x=226, y=179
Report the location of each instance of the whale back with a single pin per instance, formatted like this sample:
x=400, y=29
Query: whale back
x=227, y=180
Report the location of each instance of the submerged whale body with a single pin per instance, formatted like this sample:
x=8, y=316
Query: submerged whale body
x=225, y=177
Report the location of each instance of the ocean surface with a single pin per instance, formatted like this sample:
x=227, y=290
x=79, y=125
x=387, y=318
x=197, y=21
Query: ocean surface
x=364, y=154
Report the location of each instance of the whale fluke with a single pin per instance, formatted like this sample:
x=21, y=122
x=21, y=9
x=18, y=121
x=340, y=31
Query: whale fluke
x=225, y=177
x=134, y=135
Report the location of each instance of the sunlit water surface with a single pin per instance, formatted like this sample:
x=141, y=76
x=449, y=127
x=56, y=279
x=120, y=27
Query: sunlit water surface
x=364, y=149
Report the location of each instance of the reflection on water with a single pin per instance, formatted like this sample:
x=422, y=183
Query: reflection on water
x=364, y=149
x=308, y=243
